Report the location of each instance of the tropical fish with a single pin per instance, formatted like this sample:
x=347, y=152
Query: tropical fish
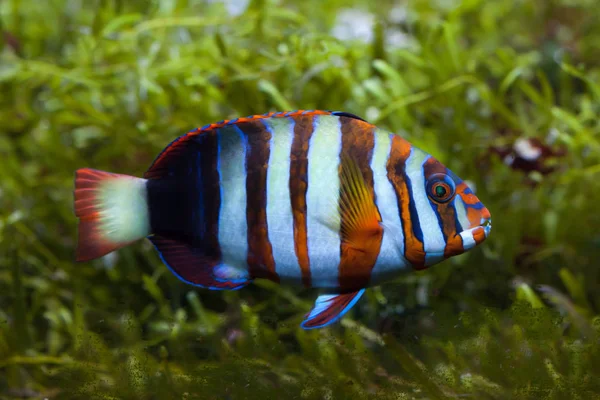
x=314, y=198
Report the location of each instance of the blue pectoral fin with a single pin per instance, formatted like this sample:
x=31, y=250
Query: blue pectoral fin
x=192, y=267
x=329, y=308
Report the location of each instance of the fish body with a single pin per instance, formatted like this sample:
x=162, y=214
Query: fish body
x=312, y=198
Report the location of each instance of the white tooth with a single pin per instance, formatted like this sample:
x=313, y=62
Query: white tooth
x=488, y=228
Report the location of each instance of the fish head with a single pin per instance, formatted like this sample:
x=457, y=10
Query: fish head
x=446, y=218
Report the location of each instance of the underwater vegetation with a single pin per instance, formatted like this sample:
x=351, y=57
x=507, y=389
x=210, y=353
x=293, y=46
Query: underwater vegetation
x=505, y=93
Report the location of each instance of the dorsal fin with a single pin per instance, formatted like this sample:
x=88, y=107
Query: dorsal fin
x=159, y=168
x=347, y=114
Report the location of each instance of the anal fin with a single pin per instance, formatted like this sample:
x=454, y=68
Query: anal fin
x=329, y=308
x=192, y=267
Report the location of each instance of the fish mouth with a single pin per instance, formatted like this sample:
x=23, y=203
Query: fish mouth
x=473, y=236
x=486, y=224
x=469, y=237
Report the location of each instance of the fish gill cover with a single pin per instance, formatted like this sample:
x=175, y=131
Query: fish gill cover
x=504, y=93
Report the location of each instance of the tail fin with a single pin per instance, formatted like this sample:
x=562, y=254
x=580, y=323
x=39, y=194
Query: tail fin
x=112, y=211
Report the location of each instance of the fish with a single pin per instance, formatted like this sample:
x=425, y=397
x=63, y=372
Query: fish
x=317, y=199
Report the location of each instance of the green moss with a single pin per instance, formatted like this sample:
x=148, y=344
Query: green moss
x=107, y=84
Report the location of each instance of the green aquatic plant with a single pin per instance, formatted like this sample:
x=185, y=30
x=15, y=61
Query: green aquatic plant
x=505, y=93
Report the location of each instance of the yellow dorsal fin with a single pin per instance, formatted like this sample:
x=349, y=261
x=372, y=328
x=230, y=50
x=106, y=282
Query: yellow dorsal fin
x=360, y=219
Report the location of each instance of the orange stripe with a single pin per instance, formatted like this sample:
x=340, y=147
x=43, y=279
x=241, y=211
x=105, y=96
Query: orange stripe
x=298, y=186
x=454, y=246
x=470, y=198
x=260, y=252
x=356, y=265
x=474, y=215
x=396, y=173
x=479, y=235
x=485, y=213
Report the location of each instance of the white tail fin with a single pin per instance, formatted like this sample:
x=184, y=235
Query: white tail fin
x=112, y=211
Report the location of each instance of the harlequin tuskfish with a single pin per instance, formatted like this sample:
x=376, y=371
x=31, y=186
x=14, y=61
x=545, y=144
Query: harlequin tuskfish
x=314, y=198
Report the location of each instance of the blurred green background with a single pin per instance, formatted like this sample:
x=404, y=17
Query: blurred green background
x=504, y=92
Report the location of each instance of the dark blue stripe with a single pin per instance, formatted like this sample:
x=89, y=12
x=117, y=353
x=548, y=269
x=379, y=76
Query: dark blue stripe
x=459, y=227
x=414, y=216
x=477, y=206
x=198, y=217
x=434, y=207
x=218, y=138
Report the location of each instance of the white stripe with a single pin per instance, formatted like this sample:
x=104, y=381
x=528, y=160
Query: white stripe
x=391, y=256
x=323, y=222
x=468, y=240
x=280, y=220
x=433, y=237
x=461, y=212
x=233, y=232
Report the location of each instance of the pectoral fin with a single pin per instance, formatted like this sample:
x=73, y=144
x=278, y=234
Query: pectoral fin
x=329, y=308
x=360, y=228
x=360, y=219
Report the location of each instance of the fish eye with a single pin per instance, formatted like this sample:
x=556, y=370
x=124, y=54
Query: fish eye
x=440, y=188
